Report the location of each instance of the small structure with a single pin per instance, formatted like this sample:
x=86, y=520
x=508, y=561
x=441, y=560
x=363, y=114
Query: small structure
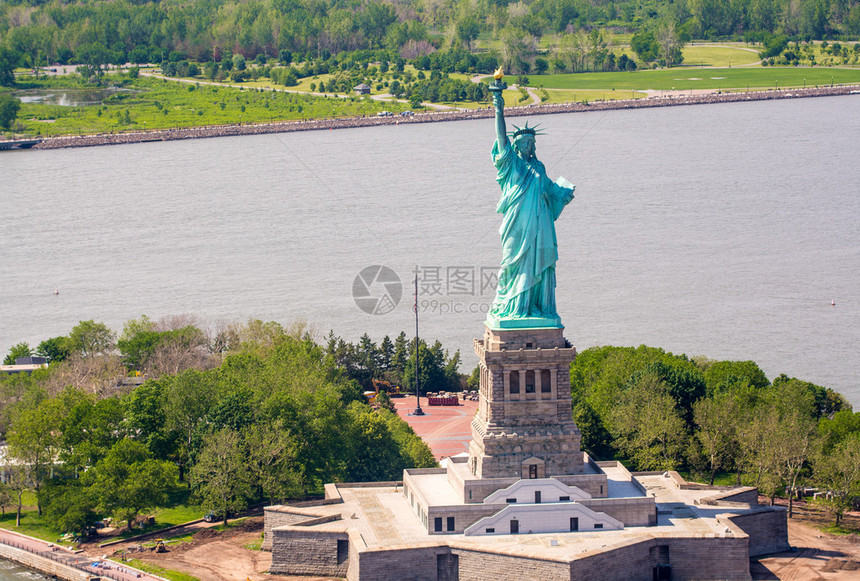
x=362, y=89
x=25, y=365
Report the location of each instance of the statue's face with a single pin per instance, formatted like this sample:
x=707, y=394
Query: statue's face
x=526, y=146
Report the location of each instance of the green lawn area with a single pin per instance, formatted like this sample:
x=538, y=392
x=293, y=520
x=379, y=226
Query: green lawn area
x=31, y=524
x=153, y=103
x=572, y=96
x=167, y=517
x=686, y=78
x=712, y=55
x=36, y=526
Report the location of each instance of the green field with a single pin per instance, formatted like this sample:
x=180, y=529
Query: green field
x=719, y=55
x=687, y=78
x=150, y=103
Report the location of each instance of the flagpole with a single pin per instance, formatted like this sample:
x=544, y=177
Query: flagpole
x=418, y=411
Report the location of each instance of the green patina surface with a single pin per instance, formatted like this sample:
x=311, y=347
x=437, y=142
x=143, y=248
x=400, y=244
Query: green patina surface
x=529, y=204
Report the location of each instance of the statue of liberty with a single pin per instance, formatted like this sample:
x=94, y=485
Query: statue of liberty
x=530, y=203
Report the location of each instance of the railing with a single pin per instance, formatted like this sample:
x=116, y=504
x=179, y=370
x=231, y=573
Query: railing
x=69, y=560
x=443, y=401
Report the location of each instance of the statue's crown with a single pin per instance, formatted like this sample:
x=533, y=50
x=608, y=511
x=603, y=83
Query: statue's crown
x=526, y=131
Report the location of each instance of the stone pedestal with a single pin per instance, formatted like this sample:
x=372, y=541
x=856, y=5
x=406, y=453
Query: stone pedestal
x=524, y=426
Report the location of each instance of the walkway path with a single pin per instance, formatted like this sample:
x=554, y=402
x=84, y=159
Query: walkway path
x=80, y=561
x=446, y=429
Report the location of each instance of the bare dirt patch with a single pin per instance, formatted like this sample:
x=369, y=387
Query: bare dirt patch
x=213, y=555
x=817, y=556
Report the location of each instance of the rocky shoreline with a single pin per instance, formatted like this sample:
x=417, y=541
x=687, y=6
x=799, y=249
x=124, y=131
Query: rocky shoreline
x=436, y=116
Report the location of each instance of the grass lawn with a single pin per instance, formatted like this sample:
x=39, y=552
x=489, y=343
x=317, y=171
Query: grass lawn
x=685, y=79
x=151, y=103
x=31, y=524
x=36, y=526
x=712, y=55
x=164, y=518
x=161, y=571
x=572, y=96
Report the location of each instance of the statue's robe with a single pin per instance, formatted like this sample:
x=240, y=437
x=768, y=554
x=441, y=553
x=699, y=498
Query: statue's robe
x=530, y=203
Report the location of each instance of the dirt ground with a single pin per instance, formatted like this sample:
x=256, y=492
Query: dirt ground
x=817, y=556
x=217, y=556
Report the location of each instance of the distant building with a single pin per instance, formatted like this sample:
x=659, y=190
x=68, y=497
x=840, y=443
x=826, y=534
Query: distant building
x=25, y=365
x=362, y=89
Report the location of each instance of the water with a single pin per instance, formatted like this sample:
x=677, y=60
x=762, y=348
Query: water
x=10, y=571
x=722, y=230
x=69, y=97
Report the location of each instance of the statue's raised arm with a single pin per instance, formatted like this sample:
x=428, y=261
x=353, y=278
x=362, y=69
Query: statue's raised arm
x=496, y=87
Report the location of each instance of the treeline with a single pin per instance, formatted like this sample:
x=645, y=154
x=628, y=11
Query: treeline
x=659, y=411
x=254, y=413
x=39, y=32
x=394, y=361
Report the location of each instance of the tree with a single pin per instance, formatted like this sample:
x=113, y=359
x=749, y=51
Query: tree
x=400, y=356
x=518, y=48
x=32, y=443
x=715, y=429
x=272, y=461
x=793, y=445
x=596, y=439
x=21, y=349
x=644, y=44
x=91, y=338
x=385, y=353
x=474, y=380
x=670, y=43
x=17, y=483
x=188, y=398
x=128, y=481
x=9, y=107
x=94, y=56
x=467, y=29
x=220, y=477
x=843, y=425
x=146, y=420
x=839, y=473
x=69, y=507
x=56, y=349
x=6, y=496
x=647, y=425
x=8, y=61
x=210, y=70
x=86, y=427
x=722, y=376
x=375, y=454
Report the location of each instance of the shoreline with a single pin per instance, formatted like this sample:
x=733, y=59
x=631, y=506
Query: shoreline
x=59, y=562
x=434, y=117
